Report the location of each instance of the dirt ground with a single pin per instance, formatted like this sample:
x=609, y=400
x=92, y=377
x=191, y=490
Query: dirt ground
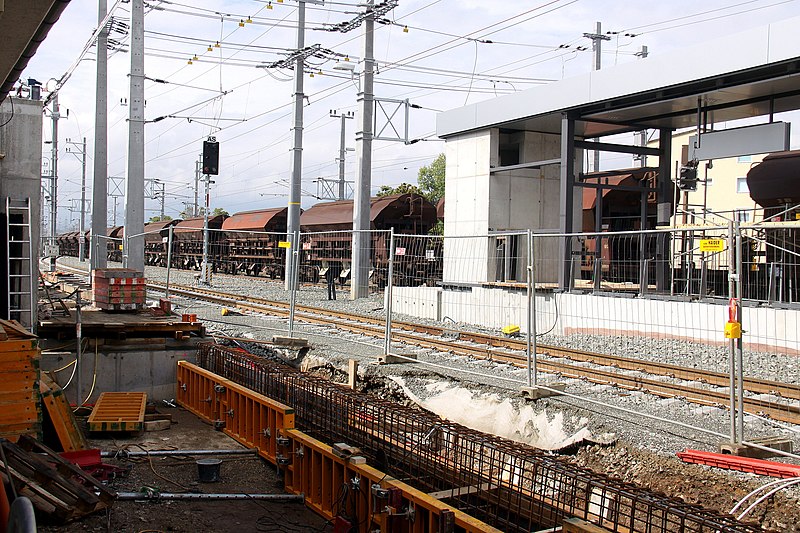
x=711, y=488
x=180, y=474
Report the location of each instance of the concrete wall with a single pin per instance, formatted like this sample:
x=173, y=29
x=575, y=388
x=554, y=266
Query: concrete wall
x=146, y=365
x=767, y=329
x=20, y=171
x=480, y=202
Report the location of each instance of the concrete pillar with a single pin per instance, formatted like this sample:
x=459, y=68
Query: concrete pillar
x=567, y=214
x=99, y=245
x=134, y=178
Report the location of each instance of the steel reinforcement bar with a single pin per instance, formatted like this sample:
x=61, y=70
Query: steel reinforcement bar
x=511, y=486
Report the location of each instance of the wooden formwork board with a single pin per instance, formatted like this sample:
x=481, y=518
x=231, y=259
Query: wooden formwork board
x=314, y=469
x=119, y=411
x=20, y=410
x=58, y=409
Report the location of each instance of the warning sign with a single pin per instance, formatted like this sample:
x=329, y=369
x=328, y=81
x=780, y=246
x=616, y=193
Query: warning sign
x=284, y=244
x=712, y=245
x=399, y=251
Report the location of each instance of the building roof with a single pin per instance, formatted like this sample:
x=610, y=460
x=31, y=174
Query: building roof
x=738, y=76
x=24, y=24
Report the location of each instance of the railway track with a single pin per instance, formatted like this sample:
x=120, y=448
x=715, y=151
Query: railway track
x=661, y=379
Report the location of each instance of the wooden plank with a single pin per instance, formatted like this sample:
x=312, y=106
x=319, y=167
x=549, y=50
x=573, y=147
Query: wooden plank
x=13, y=328
x=18, y=345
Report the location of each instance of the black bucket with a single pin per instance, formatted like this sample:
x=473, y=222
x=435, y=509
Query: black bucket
x=208, y=470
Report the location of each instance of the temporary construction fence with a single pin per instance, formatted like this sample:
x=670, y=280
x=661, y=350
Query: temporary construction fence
x=509, y=485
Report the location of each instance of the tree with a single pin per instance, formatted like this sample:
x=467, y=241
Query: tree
x=159, y=218
x=187, y=213
x=403, y=188
x=431, y=179
x=430, y=182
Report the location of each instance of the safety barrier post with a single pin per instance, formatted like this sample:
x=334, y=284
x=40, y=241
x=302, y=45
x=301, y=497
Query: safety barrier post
x=531, y=326
x=739, y=359
x=169, y=259
x=388, y=335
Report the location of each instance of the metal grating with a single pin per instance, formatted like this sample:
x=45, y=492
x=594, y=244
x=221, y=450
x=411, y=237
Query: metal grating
x=509, y=485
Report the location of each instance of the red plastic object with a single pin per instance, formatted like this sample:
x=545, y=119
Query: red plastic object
x=89, y=461
x=742, y=464
x=342, y=525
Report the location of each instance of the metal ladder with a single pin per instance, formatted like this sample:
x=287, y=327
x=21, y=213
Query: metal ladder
x=20, y=262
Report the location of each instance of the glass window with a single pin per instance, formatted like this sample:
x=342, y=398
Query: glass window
x=741, y=185
x=742, y=215
x=744, y=159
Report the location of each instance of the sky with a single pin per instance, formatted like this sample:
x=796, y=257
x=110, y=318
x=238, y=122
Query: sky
x=437, y=54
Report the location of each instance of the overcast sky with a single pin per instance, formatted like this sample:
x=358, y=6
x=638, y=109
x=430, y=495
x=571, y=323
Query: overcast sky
x=438, y=54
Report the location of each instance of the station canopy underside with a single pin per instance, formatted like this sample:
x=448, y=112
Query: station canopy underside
x=752, y=74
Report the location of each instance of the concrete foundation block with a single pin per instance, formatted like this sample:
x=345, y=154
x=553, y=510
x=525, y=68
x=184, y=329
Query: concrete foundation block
x=290, y=342
x=536, y=393
x=157, y=425
x=776, y=443
x=390, y=359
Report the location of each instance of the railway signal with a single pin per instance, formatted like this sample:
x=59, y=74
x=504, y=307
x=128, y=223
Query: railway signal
x=211, y=157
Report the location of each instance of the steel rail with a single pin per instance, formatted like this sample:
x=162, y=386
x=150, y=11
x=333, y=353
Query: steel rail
x=493, y=348
x=483, y=346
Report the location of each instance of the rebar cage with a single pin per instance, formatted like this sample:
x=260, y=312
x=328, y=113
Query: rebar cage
x=509, y=485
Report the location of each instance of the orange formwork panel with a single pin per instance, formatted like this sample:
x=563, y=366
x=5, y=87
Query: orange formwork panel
x=60, y=413
x=310, y=466
x=119, y=411
x=249, y=417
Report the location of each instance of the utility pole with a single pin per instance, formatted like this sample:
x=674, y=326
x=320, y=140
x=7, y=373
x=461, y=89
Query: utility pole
x=163, y=195
x=359, y=282
x=597, y=40
x=55, y=115
x=97, y=254
x=81, y=241
x=643, y=133
x=342, y=148
x=205, y=278
x=134, y=179
x=197, y=165
x=293, y=218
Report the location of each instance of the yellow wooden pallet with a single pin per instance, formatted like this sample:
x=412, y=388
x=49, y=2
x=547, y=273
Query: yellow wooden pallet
x=118, y=411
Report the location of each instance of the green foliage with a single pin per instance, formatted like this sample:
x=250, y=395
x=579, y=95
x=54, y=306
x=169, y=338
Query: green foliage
x=430, y=182
x=159, y=218
x=187, y=213
x=403, y=188
x=431, y=179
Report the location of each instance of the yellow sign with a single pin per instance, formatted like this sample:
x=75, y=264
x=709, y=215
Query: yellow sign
x=712, y=245
x=284, y=244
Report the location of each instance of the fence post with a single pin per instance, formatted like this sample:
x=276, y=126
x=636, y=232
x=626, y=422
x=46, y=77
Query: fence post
x=169, y=259
x=531, y=340
x=732, y=342
x=387, y=347
x=293, y=279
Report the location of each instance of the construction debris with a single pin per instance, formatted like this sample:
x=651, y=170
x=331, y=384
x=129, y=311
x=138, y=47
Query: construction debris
x=56, y=487
x=118, y=289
